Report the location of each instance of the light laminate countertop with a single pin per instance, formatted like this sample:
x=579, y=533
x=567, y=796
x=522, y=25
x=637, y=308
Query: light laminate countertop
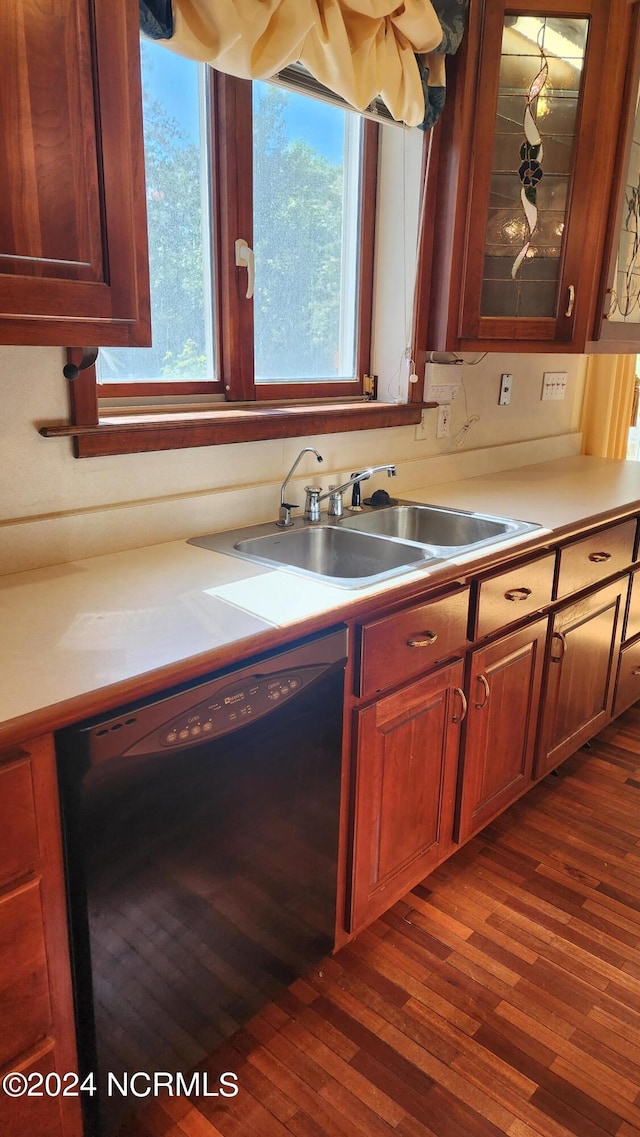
x=75, y=637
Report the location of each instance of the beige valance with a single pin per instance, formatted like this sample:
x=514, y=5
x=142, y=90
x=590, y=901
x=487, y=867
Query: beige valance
x=357, y=48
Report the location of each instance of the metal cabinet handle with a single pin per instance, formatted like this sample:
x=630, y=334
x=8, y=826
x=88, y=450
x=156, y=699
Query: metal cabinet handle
x=487, y=691
x=571, y=300
x=635, y=671
x=465, y=705
x=517, y=593
x=598, y=557
x=613, y=303
x=428, y=638
x=563, y=643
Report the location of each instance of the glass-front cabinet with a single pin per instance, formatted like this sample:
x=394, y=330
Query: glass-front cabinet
x=527, y=146
x=617, y=314
x=540, y=84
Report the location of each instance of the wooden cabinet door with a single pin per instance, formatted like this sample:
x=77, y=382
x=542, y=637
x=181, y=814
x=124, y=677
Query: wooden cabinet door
x=505, y=681
x=41, y=1116
x=522, y=177
x=37, y=1029
x=73, y=236
x=581, y=670
x=406, y=772
x=628, y=684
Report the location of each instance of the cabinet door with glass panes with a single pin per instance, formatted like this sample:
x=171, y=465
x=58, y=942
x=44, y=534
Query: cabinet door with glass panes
x=617, y=311
x=528, y=147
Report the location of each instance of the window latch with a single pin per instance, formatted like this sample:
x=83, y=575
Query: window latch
x=246, y=259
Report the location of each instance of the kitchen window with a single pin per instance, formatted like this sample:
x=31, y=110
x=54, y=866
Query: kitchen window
x=231, y=161
x=294, y=178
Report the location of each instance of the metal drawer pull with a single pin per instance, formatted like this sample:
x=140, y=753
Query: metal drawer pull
x=465, y=705
x=485, y=683
x=597, y=557
x=563, y=643
x=517, y=594
x=429, y=639
x=635, y=671
x=571, y=300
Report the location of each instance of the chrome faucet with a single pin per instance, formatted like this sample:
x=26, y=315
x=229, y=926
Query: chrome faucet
x=334, y=493
x=285, y=520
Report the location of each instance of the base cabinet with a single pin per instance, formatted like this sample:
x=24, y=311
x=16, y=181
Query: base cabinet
x=581, y=672
x=504, y=687
x=406, y=772
x=37, y=1037
x=628, y=685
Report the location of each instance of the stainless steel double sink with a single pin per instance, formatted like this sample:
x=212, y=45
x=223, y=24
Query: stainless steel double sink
x=368, y=547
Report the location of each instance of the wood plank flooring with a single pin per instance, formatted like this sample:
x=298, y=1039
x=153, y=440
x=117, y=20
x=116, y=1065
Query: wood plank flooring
x=501, y=996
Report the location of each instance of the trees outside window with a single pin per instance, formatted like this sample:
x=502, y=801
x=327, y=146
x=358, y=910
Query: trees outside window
x=295, y=178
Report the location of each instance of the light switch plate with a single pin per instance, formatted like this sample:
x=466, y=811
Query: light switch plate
x=554, y=385
x=440, y=383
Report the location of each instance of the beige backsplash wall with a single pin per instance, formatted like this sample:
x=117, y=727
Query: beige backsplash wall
x=54, y=508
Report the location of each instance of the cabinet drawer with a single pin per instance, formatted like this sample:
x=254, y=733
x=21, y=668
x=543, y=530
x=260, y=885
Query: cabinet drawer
x=596, y=557
x=628, y=686
x=25, y=1011
x=18, y=831
x=510, y=595
x=400, y=646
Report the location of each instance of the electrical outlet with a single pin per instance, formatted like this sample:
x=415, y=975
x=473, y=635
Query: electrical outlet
x=505, y=390
x=444, y=418
x=421, y=433
x=554, y=385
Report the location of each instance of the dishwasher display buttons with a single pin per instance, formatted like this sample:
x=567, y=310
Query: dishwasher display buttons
x=231, y=708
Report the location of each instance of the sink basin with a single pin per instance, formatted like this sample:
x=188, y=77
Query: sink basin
x=448, y=531
x=368, y=547
x=334, y=553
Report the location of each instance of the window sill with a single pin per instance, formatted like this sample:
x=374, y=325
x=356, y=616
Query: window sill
x=126, y=433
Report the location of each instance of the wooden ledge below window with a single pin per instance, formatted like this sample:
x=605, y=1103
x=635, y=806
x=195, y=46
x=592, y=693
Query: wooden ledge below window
x=126, y=432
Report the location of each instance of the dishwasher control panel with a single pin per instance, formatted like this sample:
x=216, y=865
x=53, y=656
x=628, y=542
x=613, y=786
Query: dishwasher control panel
x=226, y=708
x=215, y=706
x=232, y=707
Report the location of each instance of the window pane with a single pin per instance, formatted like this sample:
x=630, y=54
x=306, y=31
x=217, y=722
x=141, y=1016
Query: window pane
x=306, y=171
x=175, y=140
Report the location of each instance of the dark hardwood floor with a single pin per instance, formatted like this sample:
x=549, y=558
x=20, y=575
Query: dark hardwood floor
x=502, y=996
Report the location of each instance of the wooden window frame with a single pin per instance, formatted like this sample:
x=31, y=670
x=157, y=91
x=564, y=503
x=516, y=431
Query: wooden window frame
x=233, y=101
x=251, y=411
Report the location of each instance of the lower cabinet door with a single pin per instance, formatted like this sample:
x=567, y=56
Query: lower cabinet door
x=581, y=673
x=25, y=1010
x=406, y=773
x=43, y=1111
x=505, y=682
x=628, y=686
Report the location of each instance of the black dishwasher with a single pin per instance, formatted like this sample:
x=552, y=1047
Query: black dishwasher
x=201, y=833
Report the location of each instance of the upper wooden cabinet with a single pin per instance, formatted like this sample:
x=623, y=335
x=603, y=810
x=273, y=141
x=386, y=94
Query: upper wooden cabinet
x=617, y=310
x=520, y=177
x=73, y=235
